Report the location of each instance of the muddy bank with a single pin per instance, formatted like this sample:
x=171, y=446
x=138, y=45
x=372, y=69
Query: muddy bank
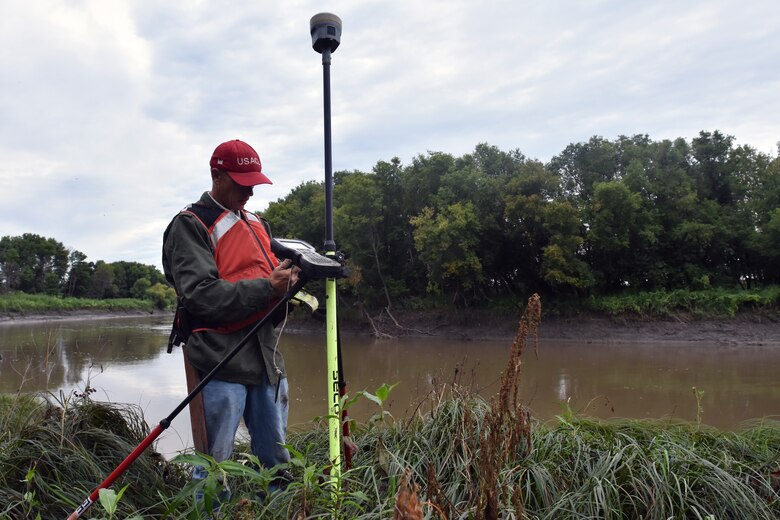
x=74, y=315
x=745, y=329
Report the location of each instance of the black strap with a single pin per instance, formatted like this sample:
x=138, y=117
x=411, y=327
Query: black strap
x=180, y=329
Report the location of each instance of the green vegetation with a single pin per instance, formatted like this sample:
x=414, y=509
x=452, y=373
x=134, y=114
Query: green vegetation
x=36, y=265
x=53, y=454
x=628, y=223
x=711, y=303
x=51, y=449
x=603, y=218
x=31, y=303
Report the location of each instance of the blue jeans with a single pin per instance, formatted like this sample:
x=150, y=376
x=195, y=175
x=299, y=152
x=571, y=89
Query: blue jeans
x=265, y=417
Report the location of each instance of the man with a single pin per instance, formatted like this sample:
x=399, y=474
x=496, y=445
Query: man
x=218, y=258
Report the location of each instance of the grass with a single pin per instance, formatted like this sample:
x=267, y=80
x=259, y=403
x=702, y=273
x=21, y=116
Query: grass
x=457, y=456
x=52, y=456
x=710, y=303
x=20, y=302
x=53, y=448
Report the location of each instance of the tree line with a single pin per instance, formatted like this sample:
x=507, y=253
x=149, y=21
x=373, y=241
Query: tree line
x=602, y=217
x=34, y=264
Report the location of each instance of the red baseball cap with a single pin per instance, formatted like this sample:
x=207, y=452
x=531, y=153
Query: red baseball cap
x=240, y=161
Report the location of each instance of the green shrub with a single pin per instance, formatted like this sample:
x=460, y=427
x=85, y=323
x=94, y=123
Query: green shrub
x=709, y=303
x=163, y=296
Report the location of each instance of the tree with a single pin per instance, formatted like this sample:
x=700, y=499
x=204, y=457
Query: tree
x=421, y=180
x=402, y=271
x=603, y=216
x=527, y=194
x=493, y=162
x=301, y=214
x=562, y=265
x=446, y=242
x=357, y=221
x=582, y=165
x=126, y=274
x=614, y=234
x=79, y=275
x=140, y=287
x=10, y=266
x=764, y=241
x=102, y=283
x=163, y=296
x=755, y=185
x=32, y=263
x=710, y=166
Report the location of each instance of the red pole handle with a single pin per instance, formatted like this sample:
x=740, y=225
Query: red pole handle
x=118, y=471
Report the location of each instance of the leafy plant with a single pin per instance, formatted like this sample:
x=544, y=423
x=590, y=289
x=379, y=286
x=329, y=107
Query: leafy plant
x=109, y=500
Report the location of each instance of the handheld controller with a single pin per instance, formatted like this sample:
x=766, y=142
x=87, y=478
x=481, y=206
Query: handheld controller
x=314, y=265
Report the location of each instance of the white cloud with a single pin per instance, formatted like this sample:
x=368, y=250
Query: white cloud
x=111, y=109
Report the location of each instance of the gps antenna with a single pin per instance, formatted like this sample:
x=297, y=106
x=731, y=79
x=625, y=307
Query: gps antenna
x=325, y=32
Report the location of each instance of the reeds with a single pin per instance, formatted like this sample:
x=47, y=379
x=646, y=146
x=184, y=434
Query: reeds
x=583, y=468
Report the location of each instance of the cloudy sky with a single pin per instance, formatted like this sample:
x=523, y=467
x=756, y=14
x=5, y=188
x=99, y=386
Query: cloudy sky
x=109, y=110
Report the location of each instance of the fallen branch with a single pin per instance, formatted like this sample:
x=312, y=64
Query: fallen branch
x=395, y=321
x=377, y=333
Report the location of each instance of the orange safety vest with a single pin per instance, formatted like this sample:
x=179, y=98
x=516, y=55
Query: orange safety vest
x=242, y=251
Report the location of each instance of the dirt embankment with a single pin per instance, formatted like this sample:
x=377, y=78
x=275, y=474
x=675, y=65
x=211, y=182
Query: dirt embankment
x=73, y=315
x=745, y=329
x=753, y=330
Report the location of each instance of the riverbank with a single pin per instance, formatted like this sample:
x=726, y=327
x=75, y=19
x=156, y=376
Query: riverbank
x=744, y=329
x=11, y=318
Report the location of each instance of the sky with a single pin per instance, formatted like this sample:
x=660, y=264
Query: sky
x=110, y=110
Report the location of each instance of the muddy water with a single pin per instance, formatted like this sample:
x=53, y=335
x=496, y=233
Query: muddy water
x=126, y=362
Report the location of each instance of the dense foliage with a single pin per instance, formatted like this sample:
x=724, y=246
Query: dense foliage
x=601, y=218
x=32, y=264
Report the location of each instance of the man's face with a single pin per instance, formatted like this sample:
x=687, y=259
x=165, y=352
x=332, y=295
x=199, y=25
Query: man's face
x=227, y=192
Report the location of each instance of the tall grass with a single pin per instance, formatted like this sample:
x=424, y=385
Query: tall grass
x=19, y=302
x=704, y=303
x=576, y=468
x=53, y=449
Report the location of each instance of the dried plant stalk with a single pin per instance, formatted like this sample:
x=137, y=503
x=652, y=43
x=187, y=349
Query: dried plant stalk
x=506, y=435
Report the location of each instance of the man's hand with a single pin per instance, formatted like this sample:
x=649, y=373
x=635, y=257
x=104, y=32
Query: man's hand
x=283, y=277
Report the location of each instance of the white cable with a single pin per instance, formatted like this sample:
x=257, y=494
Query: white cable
x=284, y=323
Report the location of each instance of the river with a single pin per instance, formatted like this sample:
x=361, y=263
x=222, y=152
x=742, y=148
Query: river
x=125, y=361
